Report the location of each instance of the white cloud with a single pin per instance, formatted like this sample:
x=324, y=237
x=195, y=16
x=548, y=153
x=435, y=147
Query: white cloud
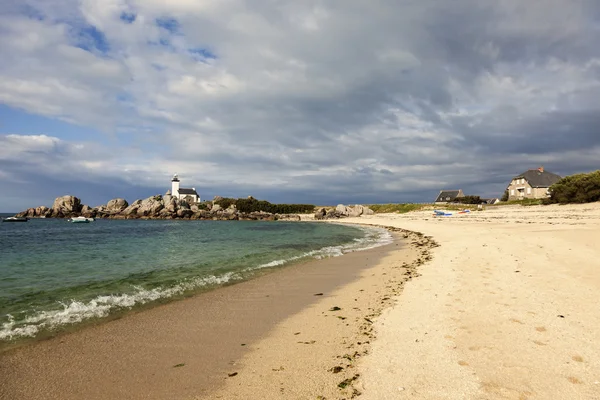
x=296, y=94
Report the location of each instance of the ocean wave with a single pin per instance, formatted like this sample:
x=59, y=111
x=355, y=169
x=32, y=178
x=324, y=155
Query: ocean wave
x=101, y=306
x=374, y=237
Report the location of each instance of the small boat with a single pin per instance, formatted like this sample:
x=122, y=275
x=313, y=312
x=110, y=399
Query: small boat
x=79, y=220
x=15, y=219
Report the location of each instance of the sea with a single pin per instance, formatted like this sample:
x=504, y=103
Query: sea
x=57, y=276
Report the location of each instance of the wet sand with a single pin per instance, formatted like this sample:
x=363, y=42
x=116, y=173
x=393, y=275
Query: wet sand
x=201, y=347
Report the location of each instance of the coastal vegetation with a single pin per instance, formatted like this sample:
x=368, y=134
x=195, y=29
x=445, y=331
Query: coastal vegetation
x=402, y=208
x=396, y=208
x=469, y=199
x=578, y=188
x=522, y=202
x=251, y=204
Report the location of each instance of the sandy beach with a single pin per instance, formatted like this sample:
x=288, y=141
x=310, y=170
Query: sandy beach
x=507, y=309
x=497, y=304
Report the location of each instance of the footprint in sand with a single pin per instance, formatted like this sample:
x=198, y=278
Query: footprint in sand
x=574, y=380
x=577, y=358
x=540, y=329
x=539, y=343
x=516, y=321
x=463, y=363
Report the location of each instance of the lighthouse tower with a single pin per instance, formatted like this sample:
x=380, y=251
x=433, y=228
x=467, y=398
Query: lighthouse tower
x=175, y=186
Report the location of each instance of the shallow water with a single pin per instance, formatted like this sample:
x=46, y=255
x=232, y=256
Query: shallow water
x=55, y=274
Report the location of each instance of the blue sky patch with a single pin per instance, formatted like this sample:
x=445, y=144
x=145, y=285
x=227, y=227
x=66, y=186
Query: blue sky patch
x=20, y=122
x=170, y=24
x=32, y=12
x=91, y=39
x=203, y=53
x=128, y=17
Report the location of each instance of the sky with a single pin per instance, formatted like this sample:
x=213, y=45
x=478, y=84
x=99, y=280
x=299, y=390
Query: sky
x=319, y=102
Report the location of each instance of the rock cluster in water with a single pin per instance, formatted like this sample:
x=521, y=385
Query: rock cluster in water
x=342, y=211
x=154, y=207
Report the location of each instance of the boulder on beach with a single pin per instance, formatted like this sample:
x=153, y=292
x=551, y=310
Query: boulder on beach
x=342, y=211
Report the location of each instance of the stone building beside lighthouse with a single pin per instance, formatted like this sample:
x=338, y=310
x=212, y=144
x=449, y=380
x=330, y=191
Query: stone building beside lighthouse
x=189, y=195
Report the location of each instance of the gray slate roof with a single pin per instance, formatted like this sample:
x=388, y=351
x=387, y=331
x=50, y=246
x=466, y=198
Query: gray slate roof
x=538, y=179
x=447, y=195
x=187, y=191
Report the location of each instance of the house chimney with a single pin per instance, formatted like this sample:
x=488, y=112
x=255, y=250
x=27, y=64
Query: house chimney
x=541, y=169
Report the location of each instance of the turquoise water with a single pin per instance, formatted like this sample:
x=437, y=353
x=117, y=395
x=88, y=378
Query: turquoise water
x=55, y=274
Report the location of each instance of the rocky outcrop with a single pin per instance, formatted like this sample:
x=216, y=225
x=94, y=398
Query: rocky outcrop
x=88, y=212
x=66, y=206
x=38, y=212
x=154, y=207
x=150, y=206
x=63, y=207
x=116, y=205
x=342, y=211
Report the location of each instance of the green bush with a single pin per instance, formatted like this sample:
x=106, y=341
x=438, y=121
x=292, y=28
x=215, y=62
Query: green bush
x=253, y=205
x=468, y=200
x=505, y=196
x=579, y=188
x=225, y=202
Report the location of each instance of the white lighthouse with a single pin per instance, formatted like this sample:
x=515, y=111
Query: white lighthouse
x=189, y=195
x=175, y=186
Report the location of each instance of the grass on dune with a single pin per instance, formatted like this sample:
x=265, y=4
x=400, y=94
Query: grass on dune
x=402, y=208
x=398, y=208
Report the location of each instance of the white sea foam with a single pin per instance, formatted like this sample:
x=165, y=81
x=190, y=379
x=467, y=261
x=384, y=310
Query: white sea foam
x=374, y=237
x=101, y=306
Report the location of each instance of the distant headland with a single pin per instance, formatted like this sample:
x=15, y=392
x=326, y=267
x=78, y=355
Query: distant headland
x=181, y=203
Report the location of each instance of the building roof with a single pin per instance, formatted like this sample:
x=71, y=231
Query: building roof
x=448, y=195
x=539, y=178
x=187, y=191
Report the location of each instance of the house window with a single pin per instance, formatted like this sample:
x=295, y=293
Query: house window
x=512, y=192
x=528, y=190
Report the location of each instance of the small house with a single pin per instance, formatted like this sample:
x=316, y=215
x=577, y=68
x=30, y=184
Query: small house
x=448, y=196
x=532, y=184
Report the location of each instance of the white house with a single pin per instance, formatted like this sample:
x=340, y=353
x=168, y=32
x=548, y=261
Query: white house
x=190, y=195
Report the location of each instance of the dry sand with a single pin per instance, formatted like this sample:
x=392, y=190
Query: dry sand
x=509, y=308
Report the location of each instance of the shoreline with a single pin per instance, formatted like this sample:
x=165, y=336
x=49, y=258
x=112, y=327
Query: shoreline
x=131, y=352
x=75, y=314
